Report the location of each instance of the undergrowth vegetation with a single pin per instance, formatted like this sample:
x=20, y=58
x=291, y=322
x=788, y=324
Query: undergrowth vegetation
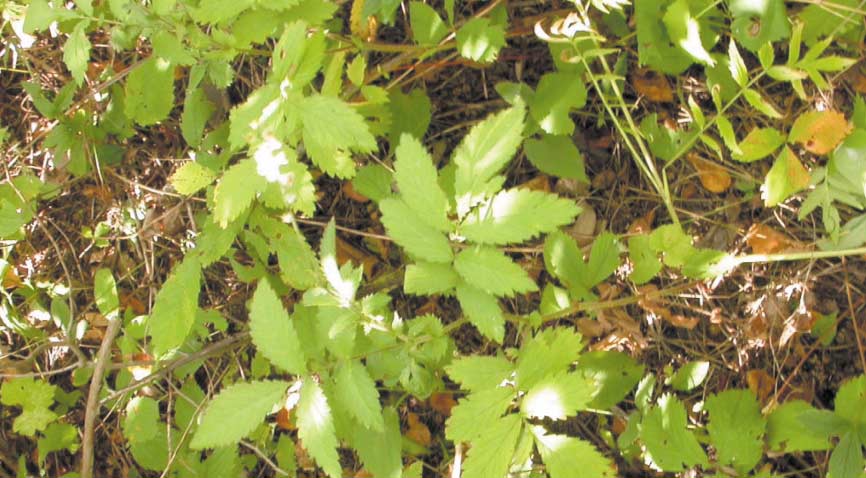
x=226, y=316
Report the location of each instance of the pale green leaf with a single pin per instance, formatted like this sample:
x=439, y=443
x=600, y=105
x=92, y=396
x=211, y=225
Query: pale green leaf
x=33, y=420
x=236, y=411
x=787, y=433
x=356, y=394
x=316, y=428
x=492, y=271
x=476, y=412
x=761, y=104
x=480, y=40
x=561, y=453
x=563, y=259
x=512, y=216
x=849, y=403
x=615, y=375
x=273, y=332
x=427, y=278
x=491, y=452
x=373, y=181
x=150, y=91
x=427, y=26
x=27, y=393
x=645, y=261
x=76, y=52
x=736, y=428
x=558, y=396
x=237, y=188
x=380, y=450
x=556, y=95
x=603, y=259
x=197, y=110
x=556, y=156
x=847, y=460
x=330, y=126
x=416, y=179
x=669, y=444
x=168, y=46
x=690, y=375
x=299, y=266
x=174, y=310
x=482, y=310
x=758, y=144
x=141, y=423
x=105, y=292
x=410, y=232
x=756, y=23
x=736, y=65
x=410, y=114
x=191, y=177
x=478, y=372
x=216, y=11
x=38, y=17
x=57, y=437
x=685, y=31
x=549, y=352
x=785, y=178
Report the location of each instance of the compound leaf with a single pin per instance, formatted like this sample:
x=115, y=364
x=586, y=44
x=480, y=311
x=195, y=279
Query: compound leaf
x=512, y=216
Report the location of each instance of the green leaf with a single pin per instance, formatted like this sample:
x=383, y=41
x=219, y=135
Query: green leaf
x=493, y=272
x=216, y=11
x=556, y=95
x=549, y=352
x=558, y=396
x=615, y=375
x=410, y=114
x=33, y=420
x=427, y=26
x=491, y=452
x=785, y=178
x=483, y=311
x=255, y=116
x=849, y=404
x=478, y=372
x=736, y=428
x=197, y=110
x=105, y=292
x=512, y=217
x=786, y=432
x=332, y=126
x=560, y=454
x=476, y=412
x=416, y=178
x=191, y=177
x=645, y=261
x=273, y=332
x=141, y=423
x=76, y=52
x=356, y=394
x=603, y=259
x=761, y=104
x=690, y=375
x=654, y=45
x=175, y=307
x=38, y=17
x=674, y=243
x=316, y=428
x=480, y=40
x=411, y=233
x=847, y=461
x=239, y=185
x=57, y=437
x=737, y=66
x=168, y=46
x=757, y=23
x=556, y=156
x=487, y=148
x=380, y=450
x=758, y=144
x=428, y=278
x=237, y=411
x=685, y=31
x=669, y=444
x=149, y=91
x=299, y=266
x=373, y=181
x=563, y=259
x=27, y=393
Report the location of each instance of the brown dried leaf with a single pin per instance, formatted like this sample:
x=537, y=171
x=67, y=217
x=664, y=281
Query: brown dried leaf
x=658, y=308
x=654, y=86
x=643, y=224
x=442, y=403
x=820, y=131
x=764, y=239
x=714, y=178
x=538, y=183
x=347, y=252
x=349, y=191
x=284, y=420
x=417, y=431
x=760, y=383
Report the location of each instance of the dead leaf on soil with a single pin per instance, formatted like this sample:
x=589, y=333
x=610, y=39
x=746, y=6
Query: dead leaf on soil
x=417, y=431
x=657, y=307
x=284, y=420
x=654, y=86
x=764, y=239
x=538, y=183
x=643, y=224
x=349, y=191
x=714, y=178
x=760, y=383
x=442, y=403
x=347, y=252
x=820, y=131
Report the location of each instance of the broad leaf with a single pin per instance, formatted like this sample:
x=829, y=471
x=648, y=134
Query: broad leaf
x=556, y=95
x=669, y=444
x=380, y=450
x=316, y=428
x=736, y=428
x=787, y=432
x=331, y=128
x=356, y=394
x=477, y=372
x=478, y=411
x=560, y=454
x=480, y=40
x=272, y=331
x=756, y=23
x=615, y=375
x=76, y=52
x=492, y=271
x=175, y=307
x=512, y=216
x=558, y=396
x=413, y=234
x=685, y=31
x=416, y=178
x=427, y=26
x=150, y=91
x=236, y=190
x=191, y=177
x=427, y=278
x=482, y=310
x=556, y=156
x=491, y=452
x=236, y=412
x=785, y=178
x=550, y=352
x=758, y=144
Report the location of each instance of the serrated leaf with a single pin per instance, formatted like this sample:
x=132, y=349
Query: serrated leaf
x=380, y=451
x=149, y=91
x=556, y=156
x=685, y=31
x=482, y=310
x=484, y=152
x=257, y=115
x=356, y=393
x=615, y=375
x=477, y=372
x=76, y=52
x=216, y=11
x=331, y=126
x=316, y=428
x=549, y=352
x=512, y=217
x=174, y=310
x=785, y=178
x=236, y=411
x=493, y=272
x=272, y=331
x=197, y=110
x=756, y=23
x=480, y=40
x=237, y=188
x=820, y=131
x=416, y=178
x=556, y=95
x=105, y=292
x=141, y=423
x=57, y=437
x=558, y=396
x=39, y=16
x=560, y=454
x=758, y=144
x=427, y=26
x=410, y=114
x=491, y=452
x=736, y=65
x=786, y=432
x=428, y=278
x=654, y=45
x=27, y=393
x=191, y=177
x=645, y=261
x=690, y=375
x=761, y=104
x=299, y=266
x=849, y=404
x=410, y=232
x=373, y=181
x=603, y=259
x=476, y=412
x=563, y=259
x=847, y=460
x=668, y=443
x=736, y=428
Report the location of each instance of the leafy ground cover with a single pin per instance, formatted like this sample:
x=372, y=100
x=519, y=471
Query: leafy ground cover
x=405, y=239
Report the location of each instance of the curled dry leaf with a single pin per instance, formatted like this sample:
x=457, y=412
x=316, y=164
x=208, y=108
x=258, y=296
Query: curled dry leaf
x=714, y=178
x=764, y=239
x=442, y=403
x=654, y=86
x=820, y=131
x=417, y=431
x=643, y=224
x=760, y=383
x=284, y=420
